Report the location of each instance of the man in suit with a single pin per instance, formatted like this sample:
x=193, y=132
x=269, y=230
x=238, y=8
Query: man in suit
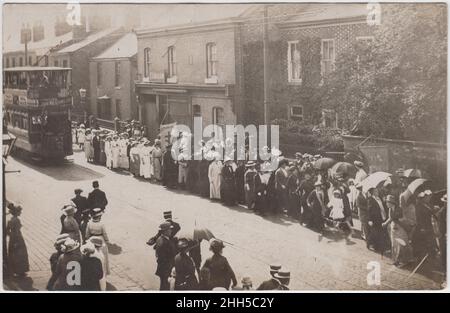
x=81, y=202
x=377, y=215
x=284, y=277
x=97, y=198
x=361, y=204
x=272, y=283
x=175, y=228
x=165, y=252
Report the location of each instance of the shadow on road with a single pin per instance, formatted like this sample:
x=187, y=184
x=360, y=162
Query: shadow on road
x=66, y=171
x=110, y=287
x=114, y=249
x=19, y=284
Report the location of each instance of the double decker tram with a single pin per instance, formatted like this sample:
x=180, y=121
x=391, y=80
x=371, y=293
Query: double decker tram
x=36, y=104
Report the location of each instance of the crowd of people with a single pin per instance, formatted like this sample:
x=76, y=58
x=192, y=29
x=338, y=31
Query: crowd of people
x=399, y=214
x=409, y=224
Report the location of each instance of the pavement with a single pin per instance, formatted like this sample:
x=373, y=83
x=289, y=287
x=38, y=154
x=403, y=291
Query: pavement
x=136, y=208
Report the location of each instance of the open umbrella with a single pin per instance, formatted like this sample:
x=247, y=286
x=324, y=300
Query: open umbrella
x=343, y=169
x=374, y=179
x=195, y=233
x=412, y=173
x=416, y=184
x=324, y=163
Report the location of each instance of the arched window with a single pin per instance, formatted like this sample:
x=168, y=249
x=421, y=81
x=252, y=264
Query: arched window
x=147, y=62
x=211, y=60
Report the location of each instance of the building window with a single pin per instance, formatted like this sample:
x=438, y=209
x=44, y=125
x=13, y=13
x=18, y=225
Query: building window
x=117, y=71
x=104, y=109
x=7, y=62
x=118, y=104
x=196, y=110
x=146, y=62
x=56, y=63
x=218, y=116
x=171, y=58
x=13, y=62
x=330, y=118
x=294, y=64
x=65, y=63
x=99, y=73
x=20, y=61
x=211, y=60
x=328, y=56
x=30, y=60
x=46, y=60
x=297, y=112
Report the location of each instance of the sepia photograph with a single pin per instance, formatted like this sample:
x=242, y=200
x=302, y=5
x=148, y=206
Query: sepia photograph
x=224, y=147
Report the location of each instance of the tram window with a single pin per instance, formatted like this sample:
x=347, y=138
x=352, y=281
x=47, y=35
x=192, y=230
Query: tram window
x=64, y=63
x=20, y=61
x=13, y=62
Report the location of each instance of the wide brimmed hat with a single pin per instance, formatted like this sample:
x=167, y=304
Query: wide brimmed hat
x=87, y=248
x=68, y=209
x=247, y=281
x=97, y=212
x=182, y=243
x=78, y=191
x=250, y=164
x=216, y=243
x=274, y=268
x=337, y=192
x=282, y=274
x=444, y=198
x=61, y=239
x=298, y=154
x=165, y=226
x=424, y=193
x=318, y=183
x=358, y=164
x=70, y=245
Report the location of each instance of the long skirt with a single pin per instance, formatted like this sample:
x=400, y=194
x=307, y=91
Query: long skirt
x=401, y=248
x=135, y=164
x=18, y=255
x=157, y=168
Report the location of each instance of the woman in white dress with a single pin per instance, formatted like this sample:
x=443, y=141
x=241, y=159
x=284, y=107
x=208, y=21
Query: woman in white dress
x=157, y=160
x=108, y=152
x=87, y=145
x=81, y=136
x=141, y=148
x=214, y=173
x=96, y=233
x=124, y=162
x=115, y=152
x=147, y=160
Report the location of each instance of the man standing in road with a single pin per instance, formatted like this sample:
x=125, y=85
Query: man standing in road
x=97, y=198
x=96, y=146
x=165, y=253
x=175, y=228
x=81, y=203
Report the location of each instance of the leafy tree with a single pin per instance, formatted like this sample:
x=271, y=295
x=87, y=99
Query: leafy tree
x=395, y=87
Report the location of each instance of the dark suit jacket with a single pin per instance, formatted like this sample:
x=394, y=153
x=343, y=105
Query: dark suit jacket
x=97, y=199
x=82, y=204
x=165, y=255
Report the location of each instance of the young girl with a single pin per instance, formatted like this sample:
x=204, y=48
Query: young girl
x=337, y=215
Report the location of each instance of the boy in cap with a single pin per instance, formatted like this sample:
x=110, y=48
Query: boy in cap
x=272, y=283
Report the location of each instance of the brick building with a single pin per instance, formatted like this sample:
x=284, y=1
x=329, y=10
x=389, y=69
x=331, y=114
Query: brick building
x=305, y=40
x=189, y=70
x=112, y=81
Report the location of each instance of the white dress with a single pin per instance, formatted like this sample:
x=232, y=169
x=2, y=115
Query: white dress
x=123, y=158
x=141, y=149
x=81, y=136
x=115, y=153
x=214, y=173
x=147, y=162
x=108, y=154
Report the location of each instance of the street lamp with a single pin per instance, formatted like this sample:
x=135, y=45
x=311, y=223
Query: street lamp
x=8, y=141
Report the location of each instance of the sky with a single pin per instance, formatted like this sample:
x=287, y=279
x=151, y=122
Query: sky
x=149, y=15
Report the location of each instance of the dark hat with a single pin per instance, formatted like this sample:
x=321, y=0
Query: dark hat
x=95, y=183
x=165, y=226
x=78, y=191
x=274, y=268
x=182, y=243
x=216, y=243
x=167, y=215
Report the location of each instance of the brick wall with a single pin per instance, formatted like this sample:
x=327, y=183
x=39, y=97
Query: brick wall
x=191, y=55
x=124, y=92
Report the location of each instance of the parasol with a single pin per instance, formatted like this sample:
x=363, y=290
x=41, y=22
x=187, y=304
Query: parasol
x=343, y=169
x=195, y=233
x=324, y=163
x=373, y=180
x=416, y=184
x=412, y=173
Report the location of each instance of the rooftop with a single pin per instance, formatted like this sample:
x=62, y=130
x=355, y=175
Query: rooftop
x=40, y=47
x=125, y=47
x=88, y=40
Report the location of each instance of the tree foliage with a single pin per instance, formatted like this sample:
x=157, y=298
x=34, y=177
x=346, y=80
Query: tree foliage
x=395, y=87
